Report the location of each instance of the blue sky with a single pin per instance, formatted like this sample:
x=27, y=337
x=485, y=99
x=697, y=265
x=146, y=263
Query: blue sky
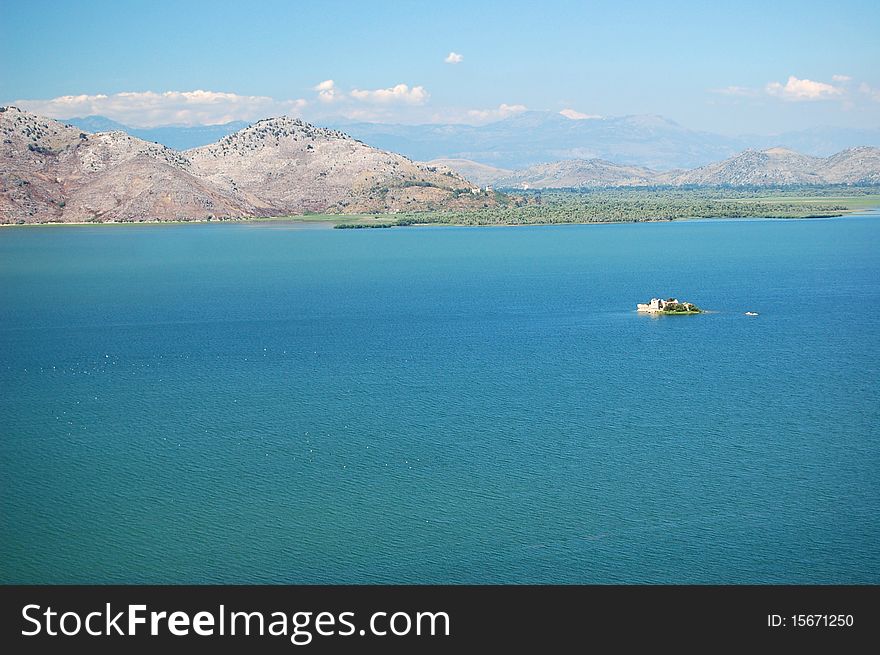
x=744, y=67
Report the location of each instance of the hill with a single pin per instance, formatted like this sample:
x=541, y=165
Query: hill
x=772, y=167
x=288, y=166
x=535, y=137
x=853, y=166
x=51, y=172
x=577, y=173
x=776, y=167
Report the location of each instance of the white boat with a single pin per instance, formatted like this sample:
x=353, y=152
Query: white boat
x=751, y=313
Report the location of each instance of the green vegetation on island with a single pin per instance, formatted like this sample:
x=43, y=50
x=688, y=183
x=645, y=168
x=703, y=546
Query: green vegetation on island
x=681, y=308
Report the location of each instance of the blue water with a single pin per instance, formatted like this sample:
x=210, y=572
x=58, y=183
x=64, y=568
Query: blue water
x=261, y=403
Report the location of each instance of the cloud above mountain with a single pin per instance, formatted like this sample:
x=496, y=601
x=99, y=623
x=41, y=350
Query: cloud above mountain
x=327, y=91
x=501, y=111
x=402, y=93
x=149, y=109
x=577, y=115
x=797, y=89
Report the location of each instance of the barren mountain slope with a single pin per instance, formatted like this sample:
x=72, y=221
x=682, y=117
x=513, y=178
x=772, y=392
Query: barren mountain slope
x=53, y=172
x=776, y=166
x=293, y=167
x=578, y=173
x=852, y=166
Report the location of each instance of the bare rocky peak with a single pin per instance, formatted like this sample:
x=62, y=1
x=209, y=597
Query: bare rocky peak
x=22, y=129
x=289, y=166
x=775, y=166
x=270, y=133
x=853, y=166
x=98, y=152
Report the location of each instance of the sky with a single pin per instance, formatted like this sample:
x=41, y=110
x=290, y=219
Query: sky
x=729, y=67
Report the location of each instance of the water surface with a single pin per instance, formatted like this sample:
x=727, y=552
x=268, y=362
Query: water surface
x=255, y=403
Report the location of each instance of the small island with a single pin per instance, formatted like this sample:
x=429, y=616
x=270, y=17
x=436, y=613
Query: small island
x=670, y=306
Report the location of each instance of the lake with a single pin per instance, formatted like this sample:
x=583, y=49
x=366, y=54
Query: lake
x=264, y=403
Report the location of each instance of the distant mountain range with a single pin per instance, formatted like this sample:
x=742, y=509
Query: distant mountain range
x=52, y=172
x=174, y=137
x=538, y=137
x=535, y=137
x=770, y=167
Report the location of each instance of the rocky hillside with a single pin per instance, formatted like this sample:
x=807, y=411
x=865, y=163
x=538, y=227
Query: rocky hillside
x=287, y=166
x=577, y=173
x=776, y=166
x=853, y=166
x=51, y=172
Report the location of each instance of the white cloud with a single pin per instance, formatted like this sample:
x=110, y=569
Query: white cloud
x=149, y=109
x=796, y=89
x=401, y=93
x=841, y=78
x=502, y=111
x=576, y=115
x=327, y=91
x=454, y=58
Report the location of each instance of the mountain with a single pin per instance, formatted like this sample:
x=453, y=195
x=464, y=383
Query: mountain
x=286, y=165
x=577, y=173
x=818, y=141
x=173, y=136
x=55, y=172
x=770, y=167
x=100, y=124
x=853, y=166
x=780, y=166
x=775, y=166
x=534, y=137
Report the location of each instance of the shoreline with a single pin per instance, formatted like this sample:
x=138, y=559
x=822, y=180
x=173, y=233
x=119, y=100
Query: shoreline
x=333, y=223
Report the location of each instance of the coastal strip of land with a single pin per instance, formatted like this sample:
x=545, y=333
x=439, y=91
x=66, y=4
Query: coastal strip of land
x=619, y=205
x=642, y=205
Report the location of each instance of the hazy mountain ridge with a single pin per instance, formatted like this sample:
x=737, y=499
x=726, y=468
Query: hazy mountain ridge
x=531, y=138
x=55, y=172
x=175, y=137
x=648, y=141
x=771, y=167
x=535, y=137
x=578, y=173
